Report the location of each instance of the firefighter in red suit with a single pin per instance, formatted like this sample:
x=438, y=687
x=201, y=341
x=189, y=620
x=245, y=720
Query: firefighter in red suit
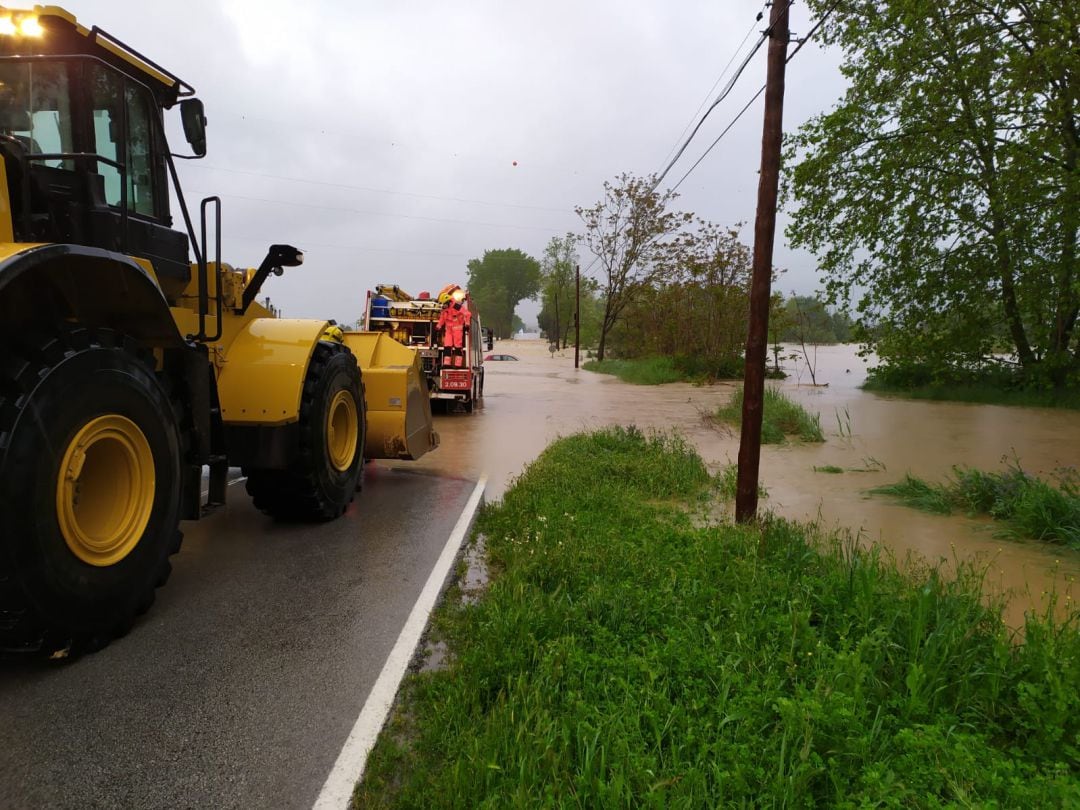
x=453, y=321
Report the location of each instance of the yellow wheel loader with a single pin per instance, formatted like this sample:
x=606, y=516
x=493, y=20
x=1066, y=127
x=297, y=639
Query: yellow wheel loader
x=126, y=368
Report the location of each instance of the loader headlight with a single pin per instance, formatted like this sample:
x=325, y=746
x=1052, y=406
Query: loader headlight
x=25, y=25
x=30, y=27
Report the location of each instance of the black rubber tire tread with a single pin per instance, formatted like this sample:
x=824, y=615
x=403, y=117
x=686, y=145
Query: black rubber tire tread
x=50, y=601
x=311, y=489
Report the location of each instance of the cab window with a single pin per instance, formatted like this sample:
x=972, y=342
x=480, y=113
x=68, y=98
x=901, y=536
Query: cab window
x=35, y=109
x=123, y=131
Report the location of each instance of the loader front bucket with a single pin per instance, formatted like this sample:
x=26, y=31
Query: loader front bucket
x=399, y=421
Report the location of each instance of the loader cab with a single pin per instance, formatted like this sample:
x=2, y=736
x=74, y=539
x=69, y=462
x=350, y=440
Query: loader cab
x=83, y=142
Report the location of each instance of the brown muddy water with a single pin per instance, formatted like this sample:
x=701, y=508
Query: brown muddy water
x=875, y=439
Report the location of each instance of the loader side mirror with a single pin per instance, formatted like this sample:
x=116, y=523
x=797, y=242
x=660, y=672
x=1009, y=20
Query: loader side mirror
x=194, y=120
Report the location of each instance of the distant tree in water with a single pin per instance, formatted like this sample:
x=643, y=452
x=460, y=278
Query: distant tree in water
x=807, y=319
x=498, y=282
x=697, y=314
x=635, y=240
x=557, y=288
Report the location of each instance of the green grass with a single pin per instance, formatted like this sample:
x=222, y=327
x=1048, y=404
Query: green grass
x=982, y=393
x=727, y=483
x=1027, y=505
x=832, y=469
x=660, y=370
x=626, y=656
x=650, y=371
x=781, y=417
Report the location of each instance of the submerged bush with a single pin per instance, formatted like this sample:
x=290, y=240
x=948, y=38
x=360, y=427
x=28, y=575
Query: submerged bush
x=1028, y=506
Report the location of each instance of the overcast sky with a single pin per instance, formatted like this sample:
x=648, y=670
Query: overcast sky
x=381, y=138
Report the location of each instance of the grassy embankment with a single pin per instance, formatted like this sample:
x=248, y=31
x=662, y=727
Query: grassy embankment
x=781, y=417
x=1026, y=505
x=626, y=654
x=651, y=371
x=661, y=370
x=990, y=389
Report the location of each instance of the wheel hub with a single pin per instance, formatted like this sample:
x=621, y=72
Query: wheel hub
x=105, y=490
x=342, y=431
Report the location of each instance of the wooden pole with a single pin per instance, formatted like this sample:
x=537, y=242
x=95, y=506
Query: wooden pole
x=577, y=315
x=746, y=491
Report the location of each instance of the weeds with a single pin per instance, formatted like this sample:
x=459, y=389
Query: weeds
x=829, y=468
x=660, y=370
x=626, y=657
x=651, y=371
x=1027, y=505
x=994, y=387
x=843, y=424
x=781, y=417
x=869, y=464
x=726, y=483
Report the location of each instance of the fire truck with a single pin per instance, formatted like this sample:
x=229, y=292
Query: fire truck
x=454, y=374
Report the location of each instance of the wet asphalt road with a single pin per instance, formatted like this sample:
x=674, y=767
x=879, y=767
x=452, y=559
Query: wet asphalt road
x=241, y=684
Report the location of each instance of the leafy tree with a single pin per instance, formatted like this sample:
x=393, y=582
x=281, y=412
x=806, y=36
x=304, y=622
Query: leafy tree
x=557, y=287
x=499, y=282
x=632, y=235
x=809, y=320
x=945, y=182
x=698, y=313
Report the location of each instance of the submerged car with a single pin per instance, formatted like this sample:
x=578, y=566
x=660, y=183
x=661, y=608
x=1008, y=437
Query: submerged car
x=499, y=357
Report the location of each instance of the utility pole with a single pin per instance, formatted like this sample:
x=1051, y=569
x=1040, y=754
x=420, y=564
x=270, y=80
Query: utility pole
x=746, y=490
x=577, y=315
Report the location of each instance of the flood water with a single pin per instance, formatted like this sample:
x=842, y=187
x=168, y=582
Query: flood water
x=875, y=439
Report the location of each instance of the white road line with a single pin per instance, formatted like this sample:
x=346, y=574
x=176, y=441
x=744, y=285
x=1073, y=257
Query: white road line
x=337, y=791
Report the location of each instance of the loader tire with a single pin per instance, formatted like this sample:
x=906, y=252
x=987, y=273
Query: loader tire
x=325, y=476
x=90, y=451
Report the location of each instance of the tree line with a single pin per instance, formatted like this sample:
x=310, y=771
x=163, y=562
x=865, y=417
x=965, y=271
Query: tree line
x=665, y=283
x=940, y=196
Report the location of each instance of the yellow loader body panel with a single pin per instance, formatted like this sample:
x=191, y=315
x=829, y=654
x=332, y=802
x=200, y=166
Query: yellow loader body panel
x=261, y=373
x=399, y=423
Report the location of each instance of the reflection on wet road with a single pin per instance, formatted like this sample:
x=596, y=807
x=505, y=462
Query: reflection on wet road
x=875, y=439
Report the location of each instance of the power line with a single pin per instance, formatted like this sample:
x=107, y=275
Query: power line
x=381, y=190
x=725, y=131
x=712, y=89
x=724, y=94
x=330, y=246
x=812, y=31
x=380, y=213
x=739, y=115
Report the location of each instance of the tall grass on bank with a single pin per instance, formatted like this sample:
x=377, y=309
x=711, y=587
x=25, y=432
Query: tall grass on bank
x=660, y=370
x=1026, y=504
x=626, y=656
x=989, y=389
x=781, y=417
x=649, y=371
